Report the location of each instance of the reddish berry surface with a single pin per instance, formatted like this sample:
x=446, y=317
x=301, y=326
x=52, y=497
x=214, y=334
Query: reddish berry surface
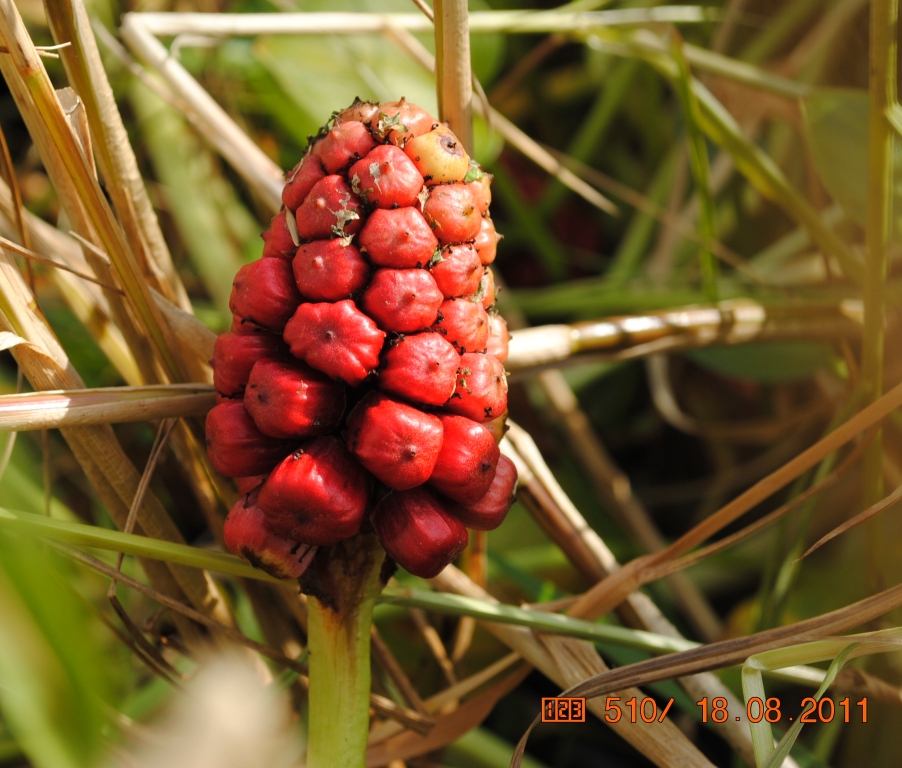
x=330, y=270
x=417, y=531
x=337, y=339
x=318, y=494
x=386, y=178
x=397, y=442
x=402, y=300
x=290, y=400
x=421, y=368
x=246, y=534
x=398, y=238
x=362, y=385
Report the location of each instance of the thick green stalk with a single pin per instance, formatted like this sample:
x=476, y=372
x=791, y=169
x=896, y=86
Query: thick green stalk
x=342, y=585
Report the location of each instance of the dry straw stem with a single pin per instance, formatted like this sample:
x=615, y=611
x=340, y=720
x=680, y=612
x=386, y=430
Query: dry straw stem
x=36, y=99
x=107, y=405
x=553, y=510
x=454, y=78
x=611, y=592
x=69, y=22
x=139, y=30
x=735, y=321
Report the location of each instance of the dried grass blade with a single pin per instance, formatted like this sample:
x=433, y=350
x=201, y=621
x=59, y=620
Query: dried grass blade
x=69, y=21
x=111, y=405
x=26, y=68
x=447, y=728
x=862, y=517
x=613, y=590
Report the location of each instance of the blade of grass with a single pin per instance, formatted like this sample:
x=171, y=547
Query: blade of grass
x=110, y=405
x=701, y=171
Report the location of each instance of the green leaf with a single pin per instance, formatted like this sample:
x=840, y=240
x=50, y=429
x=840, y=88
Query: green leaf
x=51, y=660
x=836, y=125
x=767, y=362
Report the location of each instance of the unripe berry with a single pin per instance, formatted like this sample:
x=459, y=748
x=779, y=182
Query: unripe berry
x=245, y=533
x=318, y=494
x=438, y=156
x=290, y=400
x=398, y=443
x=481, y=187
x=416, y=530
x=487, y=291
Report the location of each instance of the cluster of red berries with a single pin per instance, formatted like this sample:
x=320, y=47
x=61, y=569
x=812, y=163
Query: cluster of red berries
x=362, y=381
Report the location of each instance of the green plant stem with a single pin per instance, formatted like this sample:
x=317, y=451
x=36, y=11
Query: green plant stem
x=343, y=584
x=882, y=82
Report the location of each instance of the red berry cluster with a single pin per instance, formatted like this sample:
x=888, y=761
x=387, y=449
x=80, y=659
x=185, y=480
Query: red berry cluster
x=362, y=381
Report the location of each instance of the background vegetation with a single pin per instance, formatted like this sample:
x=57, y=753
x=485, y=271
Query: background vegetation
x=741, y=150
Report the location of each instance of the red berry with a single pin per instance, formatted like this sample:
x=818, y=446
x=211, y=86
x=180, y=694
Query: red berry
x=421, y=368
x=291, y=400
x=398, y=238
x=329, y=270
x=337, y=339
x=278, y=241
x=481, y=392
x=317, y=495
x=236, y=447
x=386, y=178
x=346, y=142
x=247, y=484
x=451, y=212
x=398, y=443
x=464, y=323
x=330, y=210
x=361, y=110
x=499, y=338
x=457, y=271
x=482, y=192
x=235, y=354
x=486, y=242
x=264, y=293
x=489, y=512
x=400, y=121
x=466, y=463
x=438, y=156
x=487, y=292
x=245, y=533
x=301, y=180
x=416, y=531
x=402, y=300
